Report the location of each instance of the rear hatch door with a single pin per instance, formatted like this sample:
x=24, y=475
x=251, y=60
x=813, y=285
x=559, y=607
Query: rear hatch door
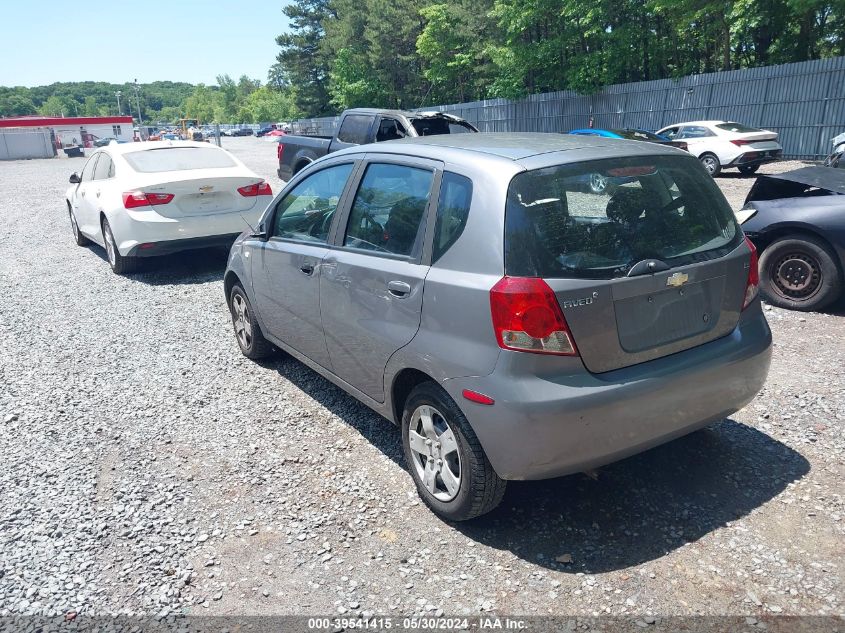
x=653, y=265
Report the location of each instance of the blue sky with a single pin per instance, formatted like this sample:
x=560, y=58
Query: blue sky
x=101, y=40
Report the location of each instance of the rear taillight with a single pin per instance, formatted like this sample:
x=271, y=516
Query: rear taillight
x=752, y=285
x=527, y=317
x=280, y=150
x=258, y=189
x=739, y=142
x=135, y=199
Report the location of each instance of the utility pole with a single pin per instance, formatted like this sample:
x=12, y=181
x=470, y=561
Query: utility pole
x=138, y=101
x=117, y=94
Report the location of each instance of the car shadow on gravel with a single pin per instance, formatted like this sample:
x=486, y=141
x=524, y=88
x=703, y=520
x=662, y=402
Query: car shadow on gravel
x=627, y=513
x=640, y=509
x=186, y=267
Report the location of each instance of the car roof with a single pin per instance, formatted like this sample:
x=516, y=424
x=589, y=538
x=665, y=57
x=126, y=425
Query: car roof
x=514, y=147
x=696, y=123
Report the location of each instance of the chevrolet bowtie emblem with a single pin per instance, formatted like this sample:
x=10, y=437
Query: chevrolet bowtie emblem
x=677, y=279
x=206, y=188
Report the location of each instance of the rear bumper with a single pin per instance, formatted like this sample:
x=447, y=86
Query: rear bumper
x=546, y=425
x=132, y=229
x=756, y=158
x=154, y=249
x=284, y=172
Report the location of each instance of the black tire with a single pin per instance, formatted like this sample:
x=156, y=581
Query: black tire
x=78, y=237
x=480, y=489
x=799, y=272
x=747, y=170
x=711, y=163
x=248, y=333
x=119, y=264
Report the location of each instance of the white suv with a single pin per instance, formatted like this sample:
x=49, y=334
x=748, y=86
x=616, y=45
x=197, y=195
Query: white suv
x=720, y=144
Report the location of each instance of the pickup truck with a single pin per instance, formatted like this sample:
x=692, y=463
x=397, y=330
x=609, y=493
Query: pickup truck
x=364, y=125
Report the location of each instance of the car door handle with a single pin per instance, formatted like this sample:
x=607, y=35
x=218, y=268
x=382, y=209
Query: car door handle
x=308, y=269
x=398, y=288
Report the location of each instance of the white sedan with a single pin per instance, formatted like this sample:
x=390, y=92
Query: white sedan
x=153, y=198
x=721, y=144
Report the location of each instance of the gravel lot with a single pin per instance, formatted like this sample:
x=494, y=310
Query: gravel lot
x=149, y=468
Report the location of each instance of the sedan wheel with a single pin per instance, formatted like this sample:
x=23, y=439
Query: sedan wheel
x=119, y=264
x=80, y=239
x=711, y=164
x=450, y=469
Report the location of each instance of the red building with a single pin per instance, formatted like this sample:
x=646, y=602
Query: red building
x=76, y=131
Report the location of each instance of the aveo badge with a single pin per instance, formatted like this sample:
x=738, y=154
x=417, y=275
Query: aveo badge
x=584, y=301
x=677, y=279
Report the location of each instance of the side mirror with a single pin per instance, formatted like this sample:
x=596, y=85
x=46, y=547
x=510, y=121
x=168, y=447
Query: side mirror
x=74, y=179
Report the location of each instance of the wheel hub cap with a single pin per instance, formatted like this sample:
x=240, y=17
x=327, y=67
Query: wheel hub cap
x=797, y=275
x=241, y=319
x=434, y=452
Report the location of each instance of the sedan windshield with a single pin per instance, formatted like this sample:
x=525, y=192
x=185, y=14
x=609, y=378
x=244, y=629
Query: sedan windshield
x=178, y=159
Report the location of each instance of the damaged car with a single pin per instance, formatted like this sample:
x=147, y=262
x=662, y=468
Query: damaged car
x=797, y=222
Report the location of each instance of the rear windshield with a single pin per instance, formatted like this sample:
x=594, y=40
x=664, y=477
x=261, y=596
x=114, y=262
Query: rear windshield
x=178, y=159
x=595, y=220
x=737, y=127
x=431, y=126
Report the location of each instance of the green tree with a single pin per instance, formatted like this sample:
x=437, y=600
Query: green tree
x=300, y=58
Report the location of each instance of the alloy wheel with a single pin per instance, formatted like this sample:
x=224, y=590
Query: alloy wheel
x=110, y=247
x=709, y=164
x=435, y=454
x=241, y=316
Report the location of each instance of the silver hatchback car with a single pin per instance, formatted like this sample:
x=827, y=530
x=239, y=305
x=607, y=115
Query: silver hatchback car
x=474, y=290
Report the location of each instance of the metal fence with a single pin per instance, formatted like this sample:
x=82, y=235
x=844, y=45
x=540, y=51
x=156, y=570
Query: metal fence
x=804, y=102
x=20, y=143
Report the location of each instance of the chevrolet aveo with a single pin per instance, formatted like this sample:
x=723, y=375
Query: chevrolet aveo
x=514, y=324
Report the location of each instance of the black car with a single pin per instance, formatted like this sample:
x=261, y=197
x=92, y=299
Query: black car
x=797, y=222
x=243, y=131
x=265, y=130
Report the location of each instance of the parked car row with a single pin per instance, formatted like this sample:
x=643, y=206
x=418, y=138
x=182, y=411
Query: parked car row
x=468, y=287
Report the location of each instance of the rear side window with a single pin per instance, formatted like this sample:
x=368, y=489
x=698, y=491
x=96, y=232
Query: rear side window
x=452, y=212
x=695, y=131
x=178, y=159
x=354, y=129
x=388, y=214
x=595, y=220
x=105, y=168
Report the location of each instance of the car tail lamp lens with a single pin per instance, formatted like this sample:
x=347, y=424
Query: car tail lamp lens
x=135, y=199
x=739, y=142
x=258, y=189
x=752, y=286
x=527, y=317
x=280, y=151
